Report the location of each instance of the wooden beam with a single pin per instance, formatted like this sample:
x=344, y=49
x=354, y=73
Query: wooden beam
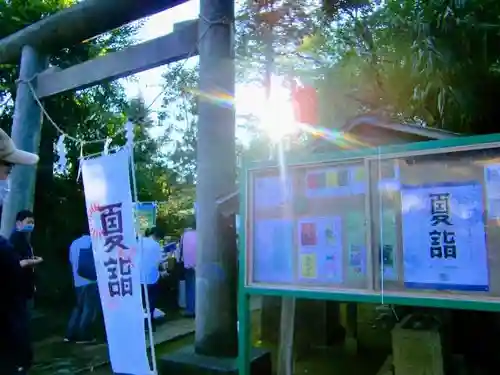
x=80, y=22
x=169, y=48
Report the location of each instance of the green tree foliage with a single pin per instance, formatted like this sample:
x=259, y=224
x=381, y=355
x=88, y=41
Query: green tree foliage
x=87, y=115
x=157, y=179
x=428, y=62
x=433, y=63
x=179, y=114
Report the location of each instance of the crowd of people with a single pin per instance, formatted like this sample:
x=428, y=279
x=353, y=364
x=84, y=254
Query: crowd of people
x=17, y=274
x=154, y=265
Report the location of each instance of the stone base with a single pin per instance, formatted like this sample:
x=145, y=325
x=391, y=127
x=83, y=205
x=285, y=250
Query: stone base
x=186, y=362
x=316, y=324
x=351, y=345
x=387, y=368
x=417, y=346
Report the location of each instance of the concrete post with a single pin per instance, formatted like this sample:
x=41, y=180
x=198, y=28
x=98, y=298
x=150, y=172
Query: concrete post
x=26, y=130
x=216, y=315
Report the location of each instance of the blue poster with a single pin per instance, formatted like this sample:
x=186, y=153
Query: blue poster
x=444, y=242
x=271, y=192
x=273, y=251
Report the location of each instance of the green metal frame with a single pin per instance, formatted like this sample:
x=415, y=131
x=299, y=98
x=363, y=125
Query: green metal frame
x=245, y=292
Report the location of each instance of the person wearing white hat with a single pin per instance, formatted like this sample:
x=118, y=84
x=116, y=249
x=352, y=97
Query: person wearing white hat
x=15, y=344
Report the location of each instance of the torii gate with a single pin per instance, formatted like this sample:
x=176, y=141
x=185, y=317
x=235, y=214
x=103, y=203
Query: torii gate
x=216, y=333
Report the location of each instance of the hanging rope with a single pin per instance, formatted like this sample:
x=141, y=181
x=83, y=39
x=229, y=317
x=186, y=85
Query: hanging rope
x=57, y=127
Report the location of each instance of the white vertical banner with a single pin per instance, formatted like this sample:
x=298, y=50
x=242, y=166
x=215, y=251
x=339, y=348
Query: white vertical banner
x=106, y=181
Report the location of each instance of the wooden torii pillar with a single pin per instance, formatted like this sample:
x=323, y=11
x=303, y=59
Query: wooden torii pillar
x=216, y=177
x=216, y=331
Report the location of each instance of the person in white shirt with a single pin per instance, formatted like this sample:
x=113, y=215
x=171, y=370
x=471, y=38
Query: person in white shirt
x=188, y=249
x=87, y=297
x=151, y=261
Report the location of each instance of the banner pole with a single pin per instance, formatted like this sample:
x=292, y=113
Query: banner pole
x=144, y=287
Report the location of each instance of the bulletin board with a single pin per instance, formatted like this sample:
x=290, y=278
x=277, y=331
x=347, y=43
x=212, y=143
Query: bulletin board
x=414, y=224
x=309, y=228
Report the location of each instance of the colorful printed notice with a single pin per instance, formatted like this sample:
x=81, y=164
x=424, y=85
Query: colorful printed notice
x=359, y=174
x=327, y=182
x=492, y=182
x=356, y=244
x=308, y=266
x=388, y=241
x=320, y=249
x=359, y=181
x=444, y=237
x=272, y=251
x=271, y=192
x=332, y=182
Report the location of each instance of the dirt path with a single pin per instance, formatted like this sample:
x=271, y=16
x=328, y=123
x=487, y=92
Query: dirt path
x=53, y=356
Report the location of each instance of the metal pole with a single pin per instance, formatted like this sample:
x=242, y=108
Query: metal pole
x=148, y=313
x=26, y=131
x=216, y=315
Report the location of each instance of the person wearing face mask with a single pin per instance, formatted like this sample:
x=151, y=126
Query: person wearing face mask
x=15, y=345
x=20, y=240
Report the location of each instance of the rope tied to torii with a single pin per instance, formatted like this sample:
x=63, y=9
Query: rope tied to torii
x=63, y=136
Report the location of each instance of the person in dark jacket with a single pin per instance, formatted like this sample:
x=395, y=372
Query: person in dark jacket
x=15, y=344
x=20, y=240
